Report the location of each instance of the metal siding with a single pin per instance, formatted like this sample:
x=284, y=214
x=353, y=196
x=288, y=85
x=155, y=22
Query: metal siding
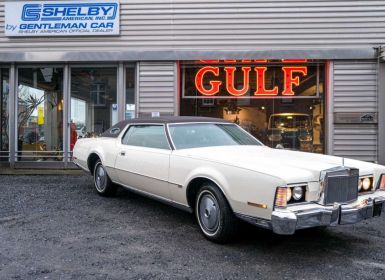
x=156, y=86
x=355, y=90
x=226, y=24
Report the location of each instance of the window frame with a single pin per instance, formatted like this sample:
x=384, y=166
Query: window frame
x=126, y=130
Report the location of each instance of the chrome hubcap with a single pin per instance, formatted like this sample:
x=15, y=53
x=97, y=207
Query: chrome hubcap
x=100, y=178
x=209, y=212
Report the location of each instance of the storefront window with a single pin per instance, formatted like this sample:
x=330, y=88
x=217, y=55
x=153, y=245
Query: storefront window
x=40, y=114
x=279, y=102
x=130, y=93
x=93, y=101
x=4, y=114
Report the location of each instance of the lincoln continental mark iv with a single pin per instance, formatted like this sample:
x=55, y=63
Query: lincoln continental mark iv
x=222, y=174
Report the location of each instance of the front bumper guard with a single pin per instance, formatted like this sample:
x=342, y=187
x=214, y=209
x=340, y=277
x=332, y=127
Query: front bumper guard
x=289, y=220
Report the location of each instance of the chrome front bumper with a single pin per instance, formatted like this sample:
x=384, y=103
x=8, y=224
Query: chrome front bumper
x=287, y=221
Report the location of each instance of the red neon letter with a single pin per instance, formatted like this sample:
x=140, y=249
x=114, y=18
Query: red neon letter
x=230, y=81
x=261, y=90
x=260, y=60
x=294, y=60
x=289, y=81
x=214, y=84
x=209, y=61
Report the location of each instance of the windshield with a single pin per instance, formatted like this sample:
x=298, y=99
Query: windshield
x=196, y=135
x=290, y=121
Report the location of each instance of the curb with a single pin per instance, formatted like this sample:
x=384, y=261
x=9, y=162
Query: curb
x=10, y=171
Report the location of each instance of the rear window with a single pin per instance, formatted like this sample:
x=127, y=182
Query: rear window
x=115, y=130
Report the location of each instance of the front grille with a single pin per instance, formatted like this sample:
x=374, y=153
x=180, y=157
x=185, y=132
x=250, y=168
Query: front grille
x=341, y=186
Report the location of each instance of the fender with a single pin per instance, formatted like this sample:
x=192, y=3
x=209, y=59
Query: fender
x=210, y=174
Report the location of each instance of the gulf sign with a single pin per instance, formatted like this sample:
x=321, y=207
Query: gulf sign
x=217, y=78
x=61, y=18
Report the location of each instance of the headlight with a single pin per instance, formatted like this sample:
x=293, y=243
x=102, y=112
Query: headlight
x=288, y=194
x=365, y=184
x=297, y=193
x=382, y=182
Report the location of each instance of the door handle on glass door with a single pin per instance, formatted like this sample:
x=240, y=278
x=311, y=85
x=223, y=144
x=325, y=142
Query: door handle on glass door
x=123, y=153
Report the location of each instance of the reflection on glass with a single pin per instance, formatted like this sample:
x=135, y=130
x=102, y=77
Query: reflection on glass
x=187, y=136
x=40, y=114
x=290, y=130
x=93, y=102
x=292, y=123
x=130, y=93
x=4, y=114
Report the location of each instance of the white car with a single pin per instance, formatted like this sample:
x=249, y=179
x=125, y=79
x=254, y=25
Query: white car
x=220, y=172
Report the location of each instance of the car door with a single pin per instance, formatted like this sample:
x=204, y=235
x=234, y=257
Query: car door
x=143, y=159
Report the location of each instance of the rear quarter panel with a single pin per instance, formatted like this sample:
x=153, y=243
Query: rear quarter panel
x=80, y=152
x=104, y=147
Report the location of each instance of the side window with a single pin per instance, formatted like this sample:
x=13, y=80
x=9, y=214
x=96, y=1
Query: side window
x=150, y=136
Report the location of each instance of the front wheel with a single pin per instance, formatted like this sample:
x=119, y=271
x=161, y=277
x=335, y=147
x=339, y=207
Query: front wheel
x=103, y=184
x=214, y=215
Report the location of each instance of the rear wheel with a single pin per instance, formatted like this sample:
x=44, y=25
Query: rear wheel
x=103, y=184
x=214, y=215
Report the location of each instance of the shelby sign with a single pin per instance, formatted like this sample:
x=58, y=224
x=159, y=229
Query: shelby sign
x=62, y=18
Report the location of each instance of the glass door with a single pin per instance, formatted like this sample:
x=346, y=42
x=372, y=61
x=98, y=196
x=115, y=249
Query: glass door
x=94, y=106
x=4, y=114
x=40, y=114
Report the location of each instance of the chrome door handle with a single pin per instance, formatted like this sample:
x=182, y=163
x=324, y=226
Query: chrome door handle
x=123, y=153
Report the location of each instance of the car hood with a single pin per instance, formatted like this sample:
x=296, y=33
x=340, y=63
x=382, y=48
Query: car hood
x=291, y=166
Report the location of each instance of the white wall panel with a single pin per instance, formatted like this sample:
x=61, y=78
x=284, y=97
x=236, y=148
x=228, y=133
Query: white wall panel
x=355, y=91
x=157, y=88
x=232, y=25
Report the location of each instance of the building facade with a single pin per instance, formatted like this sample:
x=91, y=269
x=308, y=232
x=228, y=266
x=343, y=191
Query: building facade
x=303, y=75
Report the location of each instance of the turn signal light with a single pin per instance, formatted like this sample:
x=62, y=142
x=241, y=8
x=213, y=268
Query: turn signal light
x=281, y=197
x=382, y=182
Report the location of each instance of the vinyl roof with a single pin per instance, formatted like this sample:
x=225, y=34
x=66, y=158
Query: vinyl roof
x=175, y=119
x=159, y=120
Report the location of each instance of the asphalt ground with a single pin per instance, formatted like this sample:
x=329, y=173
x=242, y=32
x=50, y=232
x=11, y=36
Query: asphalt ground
x=57, y=227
